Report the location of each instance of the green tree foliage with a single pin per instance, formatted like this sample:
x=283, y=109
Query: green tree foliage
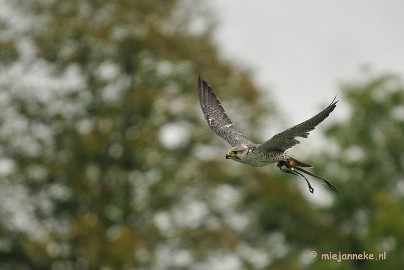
x=107, y=163
x=106, y=160
x=368, y=164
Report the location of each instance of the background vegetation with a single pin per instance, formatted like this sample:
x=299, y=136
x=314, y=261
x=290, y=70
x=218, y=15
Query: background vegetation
x=107, y=163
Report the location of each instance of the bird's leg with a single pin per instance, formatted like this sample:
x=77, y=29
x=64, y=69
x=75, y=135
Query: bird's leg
x=282, y=163
x=291, y=170
x=287, y=168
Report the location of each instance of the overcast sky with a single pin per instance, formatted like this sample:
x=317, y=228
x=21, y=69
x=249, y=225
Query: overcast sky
x=302, y=50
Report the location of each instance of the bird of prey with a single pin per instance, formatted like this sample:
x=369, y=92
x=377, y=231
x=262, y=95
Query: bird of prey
x=274, y=150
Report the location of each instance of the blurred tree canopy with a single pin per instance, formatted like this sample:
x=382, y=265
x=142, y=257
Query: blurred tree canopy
x=368, y=164
x=106, y=161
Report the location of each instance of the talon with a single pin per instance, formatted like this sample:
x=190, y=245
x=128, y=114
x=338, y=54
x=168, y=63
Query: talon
x=282, y=163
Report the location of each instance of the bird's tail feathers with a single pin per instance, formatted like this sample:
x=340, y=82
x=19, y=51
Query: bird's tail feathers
x=294, y=162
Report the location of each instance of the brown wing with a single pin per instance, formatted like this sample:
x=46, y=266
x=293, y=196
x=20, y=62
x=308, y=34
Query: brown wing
x=286, y=139
x=216, y=117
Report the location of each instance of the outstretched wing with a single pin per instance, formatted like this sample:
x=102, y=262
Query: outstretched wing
x=286, y=139
x=216, y=117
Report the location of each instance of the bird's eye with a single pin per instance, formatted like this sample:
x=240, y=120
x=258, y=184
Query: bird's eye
x=235, y=152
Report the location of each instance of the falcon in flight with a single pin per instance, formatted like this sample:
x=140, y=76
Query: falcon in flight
x=274, y=150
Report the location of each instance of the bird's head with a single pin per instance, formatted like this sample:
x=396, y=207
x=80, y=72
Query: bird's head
x=237, y=153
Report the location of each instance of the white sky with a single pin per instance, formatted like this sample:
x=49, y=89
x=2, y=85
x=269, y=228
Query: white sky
x=302, y=50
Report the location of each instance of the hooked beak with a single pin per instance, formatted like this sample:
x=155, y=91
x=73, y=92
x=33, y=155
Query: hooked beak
x=229, y=155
